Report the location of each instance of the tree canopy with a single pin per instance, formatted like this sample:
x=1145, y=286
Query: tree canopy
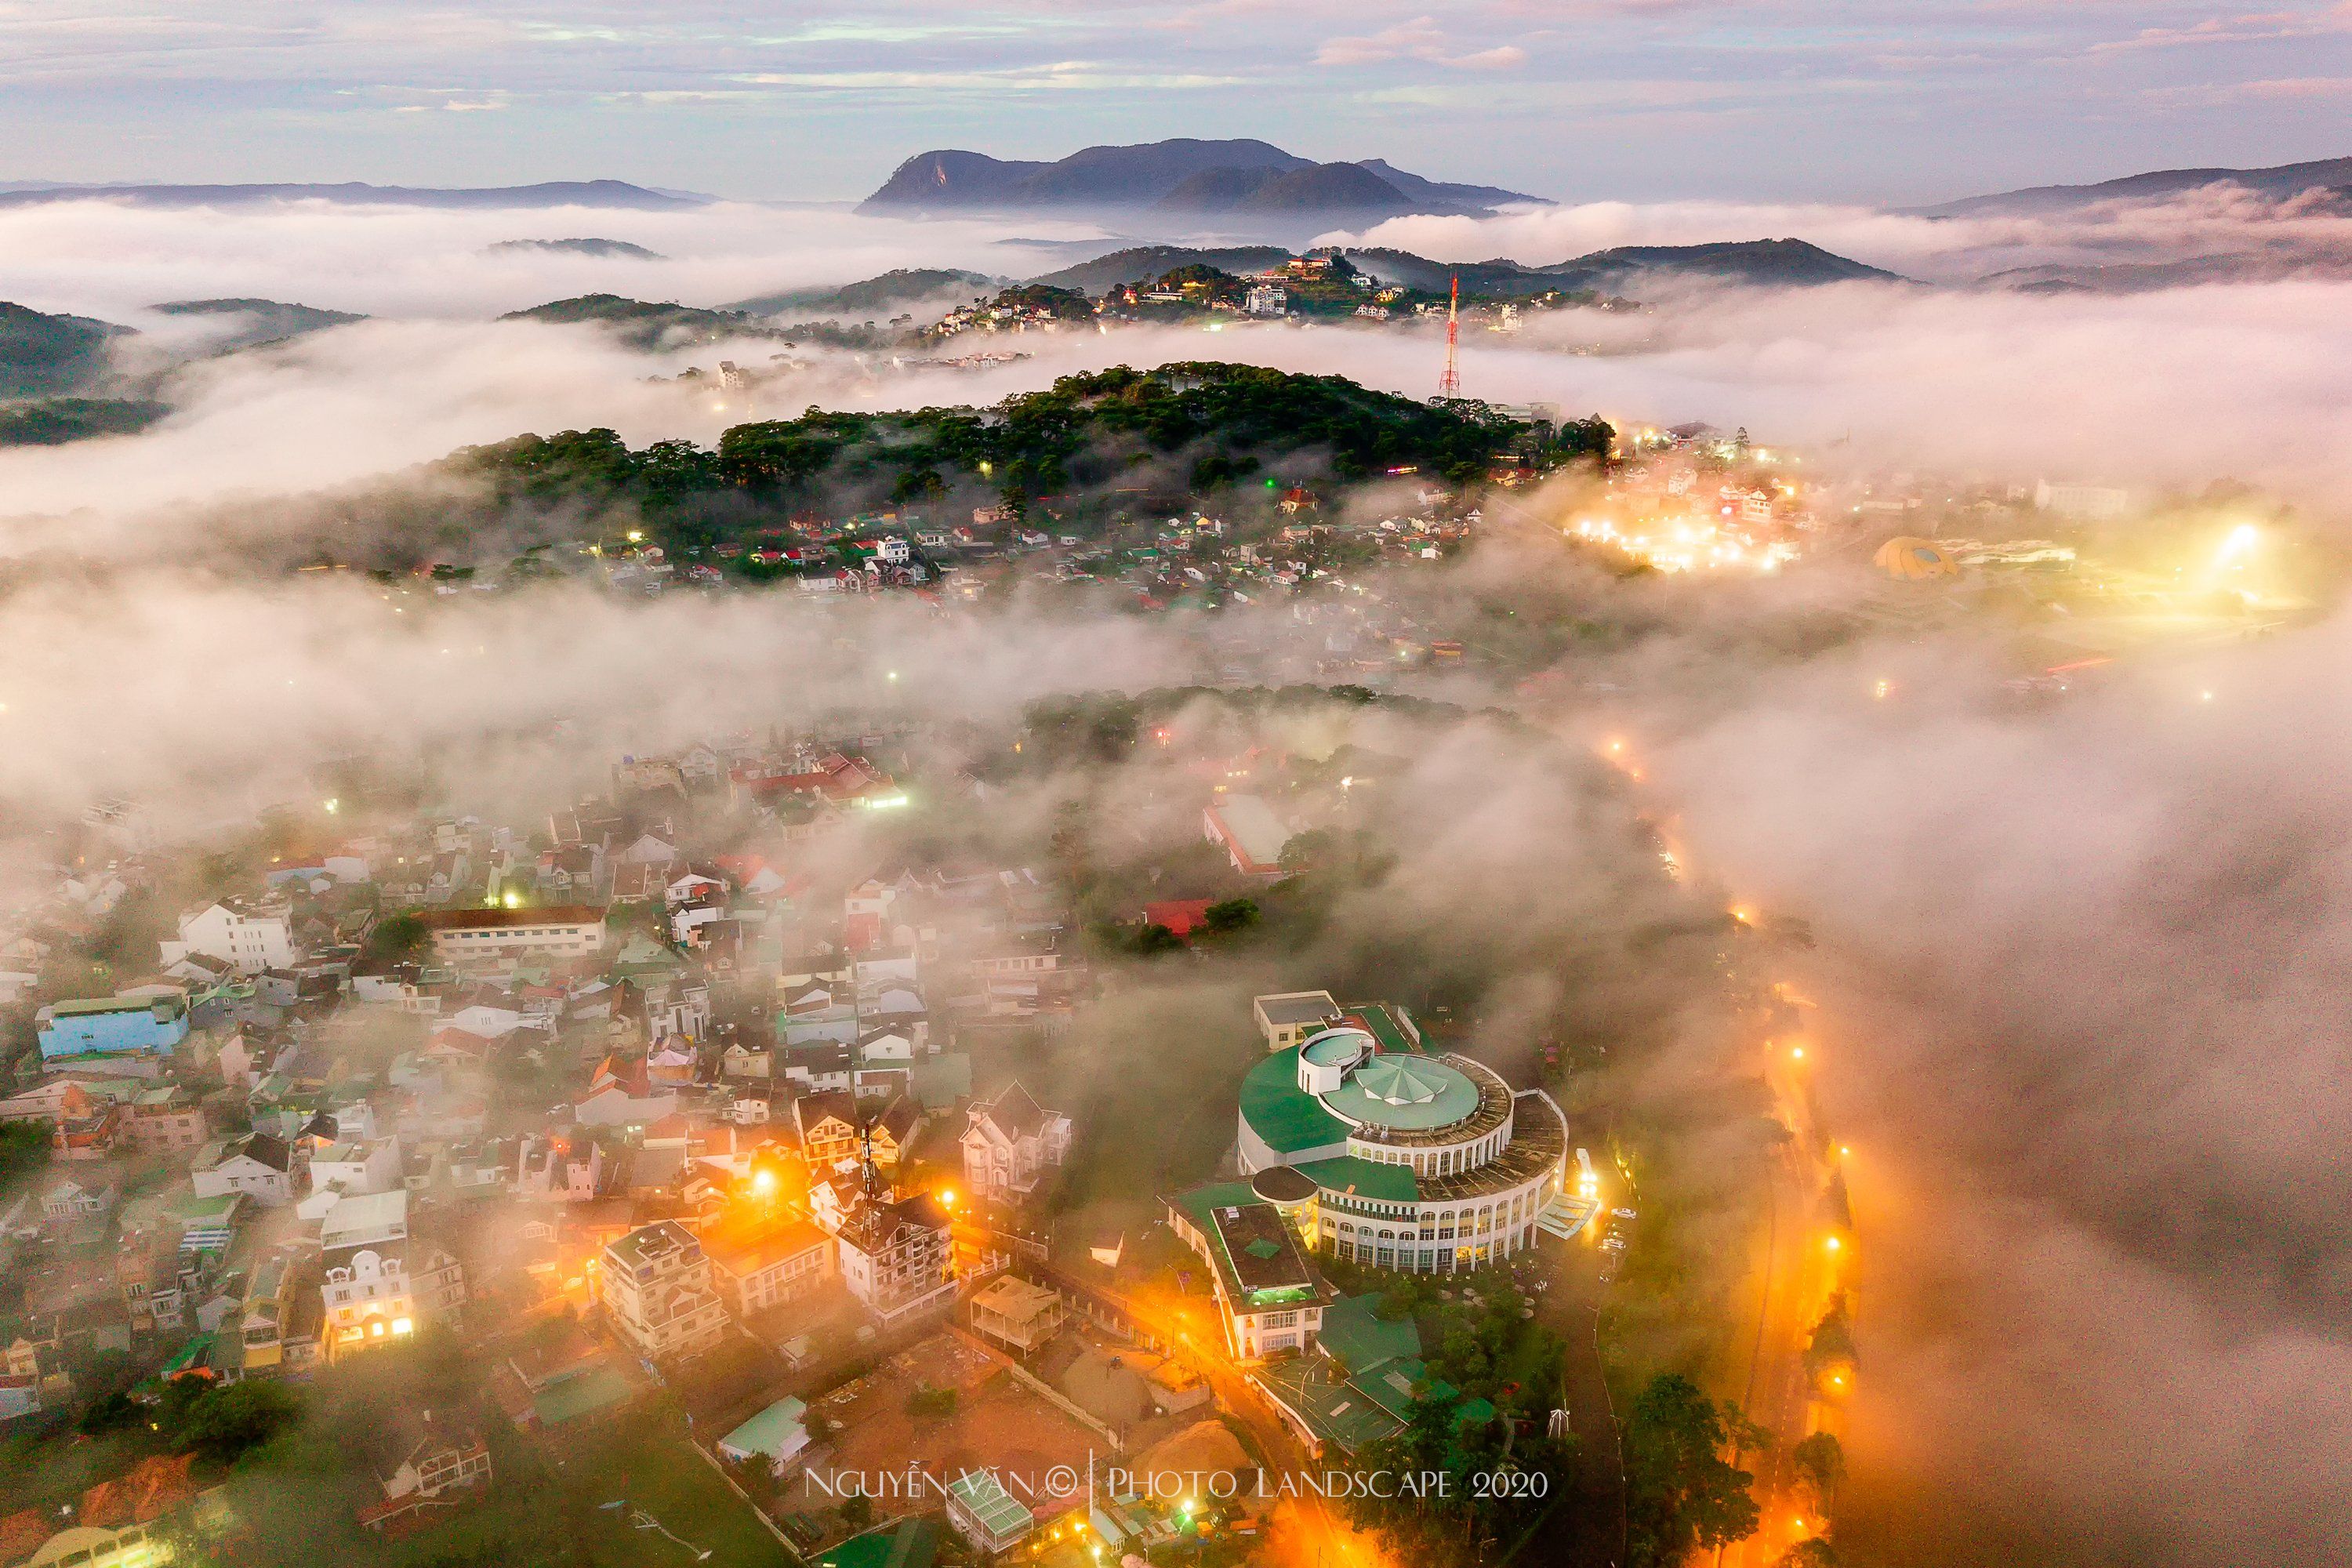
x=1681, y=1493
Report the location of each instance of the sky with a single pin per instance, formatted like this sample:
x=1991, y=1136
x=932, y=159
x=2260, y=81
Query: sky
x=1897, y=101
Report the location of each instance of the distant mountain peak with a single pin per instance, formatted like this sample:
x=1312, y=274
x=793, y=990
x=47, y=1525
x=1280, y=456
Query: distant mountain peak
x=1187, y=174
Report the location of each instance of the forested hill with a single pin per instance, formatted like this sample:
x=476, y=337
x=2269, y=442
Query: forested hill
x=1087, y=434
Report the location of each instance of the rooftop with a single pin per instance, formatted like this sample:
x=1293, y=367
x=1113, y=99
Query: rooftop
x=508, y=919
x=1258, y=833
x=1494, y=1105
x=1355, y=1334
x=1257, y=1251
x=1412, y=1094
x=1297, y=1007
x=1283, y=1115
x=984, y=1496
x=1364, y=1178
x=1539, y=1139
x=747, y=1250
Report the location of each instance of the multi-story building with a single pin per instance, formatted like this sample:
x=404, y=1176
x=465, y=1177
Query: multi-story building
x=165, y=1119
x=1287, y=1018
x=147, y=1024
x=252, y=937
x=830, y=1127
x=1268, y=1294
x=420, y=1457
x=1011, y=1143
x=765, y=1265
x=556, y=930
x=356, y=1168
x=147, y=1273
x=369, y=1302
x=897, y=1257
x=657, y=1293
x=437, y=1282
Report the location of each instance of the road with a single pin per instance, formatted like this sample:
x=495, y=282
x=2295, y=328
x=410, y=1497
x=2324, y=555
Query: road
x=1799, y=1264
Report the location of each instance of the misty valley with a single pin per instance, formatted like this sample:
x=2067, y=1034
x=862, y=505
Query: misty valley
x=1171, y=858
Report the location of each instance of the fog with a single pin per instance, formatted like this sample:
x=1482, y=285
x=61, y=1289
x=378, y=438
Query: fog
x=2084, y=1016
x=2081, y=969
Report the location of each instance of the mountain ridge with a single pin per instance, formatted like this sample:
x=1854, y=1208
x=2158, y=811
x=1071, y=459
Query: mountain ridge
x=2276, y=180
x=1143, y=174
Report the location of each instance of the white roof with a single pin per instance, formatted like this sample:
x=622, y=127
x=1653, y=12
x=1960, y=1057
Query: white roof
x=369, y=1216
x=1254, y=826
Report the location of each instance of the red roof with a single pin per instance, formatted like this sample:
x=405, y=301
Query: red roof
x=155, y=1487
x=22, y=1533
x=1181, y=916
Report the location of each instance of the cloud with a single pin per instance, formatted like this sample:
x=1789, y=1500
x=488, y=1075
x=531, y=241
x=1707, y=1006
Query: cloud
x=2083, y=970
x=2252, y=27
x=1419, y=39
x=2078, y=1016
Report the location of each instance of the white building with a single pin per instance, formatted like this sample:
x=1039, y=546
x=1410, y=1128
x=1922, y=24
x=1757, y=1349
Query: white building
x=557, y=930
x=1011, y=1143
x=2087, y=503
x=257, y=1165
x=351, y=1169
x=897, y=1257
x=761, y=1266
x=1267, y=300
x=250, y=937
x=657, y=1294
x=369, y=1302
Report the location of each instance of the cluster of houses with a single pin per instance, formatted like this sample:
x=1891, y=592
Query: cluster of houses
x=680, y=1096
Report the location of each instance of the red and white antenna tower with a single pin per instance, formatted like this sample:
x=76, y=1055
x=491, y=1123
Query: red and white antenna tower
x=1450, y=383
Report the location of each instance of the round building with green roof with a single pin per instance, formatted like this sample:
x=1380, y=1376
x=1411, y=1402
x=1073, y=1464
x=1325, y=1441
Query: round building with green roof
x=1418, y=1162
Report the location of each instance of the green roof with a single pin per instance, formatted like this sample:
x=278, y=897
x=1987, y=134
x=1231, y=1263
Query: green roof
x=1355, y=1334
x=1411, y=1092
x=189, y=1354
x=583, y=1396
x=1364, y=1179
x=771, y=1432
x=163, y=1006
x=910, y=1543
x=1202, y=1202
x=1380, y=1021
x=1334, y=1412
x=1285, y=1115
x=1391, y=1386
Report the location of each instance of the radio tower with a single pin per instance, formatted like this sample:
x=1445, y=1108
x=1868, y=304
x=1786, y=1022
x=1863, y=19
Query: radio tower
x=1450, y=383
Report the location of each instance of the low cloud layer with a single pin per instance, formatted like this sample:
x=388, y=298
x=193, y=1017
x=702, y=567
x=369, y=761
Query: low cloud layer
x=2084, y=1013
x=2082, y=968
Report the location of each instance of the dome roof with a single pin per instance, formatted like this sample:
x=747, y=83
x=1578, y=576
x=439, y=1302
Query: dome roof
x=1915, y=558
x=1405, y=1092
x=1394, y=1082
